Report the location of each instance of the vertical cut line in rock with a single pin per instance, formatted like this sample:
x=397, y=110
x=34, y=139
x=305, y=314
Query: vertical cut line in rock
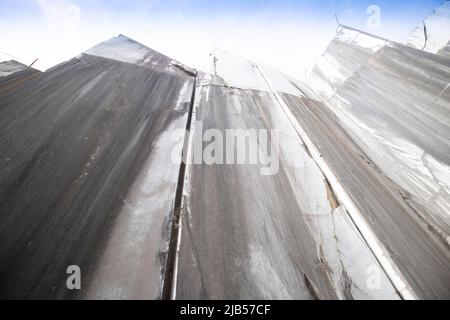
x=171, y=269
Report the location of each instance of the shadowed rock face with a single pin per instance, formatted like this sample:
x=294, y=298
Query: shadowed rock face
x=381, y=127
x=248, y=236
x=418, y=252
x=402, y=97
x=395, y=108
x=244, y=235
x=79, y=147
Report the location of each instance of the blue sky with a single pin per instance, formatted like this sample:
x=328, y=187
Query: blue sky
x=323, y=9
x=286, y=34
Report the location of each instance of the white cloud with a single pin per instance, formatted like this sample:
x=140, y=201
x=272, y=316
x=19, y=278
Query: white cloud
x=61, y=14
